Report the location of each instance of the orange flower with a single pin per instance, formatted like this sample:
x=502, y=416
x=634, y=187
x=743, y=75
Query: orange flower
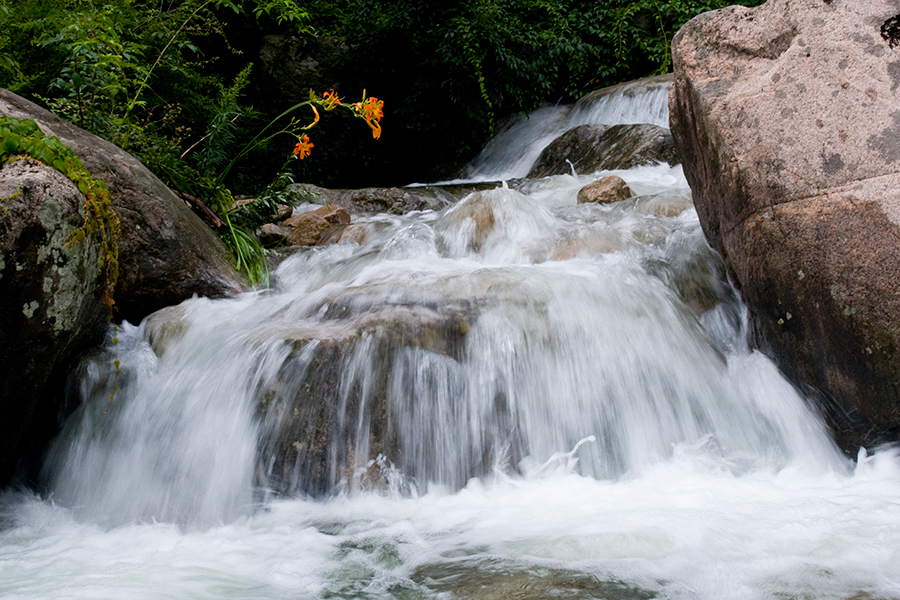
x=376, y=129
x=331, y=100
x=372, y=110
x=303, y=147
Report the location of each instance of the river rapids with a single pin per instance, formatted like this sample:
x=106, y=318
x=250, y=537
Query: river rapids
x=528, y=398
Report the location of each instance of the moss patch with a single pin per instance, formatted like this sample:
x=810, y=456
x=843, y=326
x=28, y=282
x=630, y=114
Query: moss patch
x=20, y=137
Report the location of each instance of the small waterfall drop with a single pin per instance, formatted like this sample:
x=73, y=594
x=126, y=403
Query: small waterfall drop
x=515, y=148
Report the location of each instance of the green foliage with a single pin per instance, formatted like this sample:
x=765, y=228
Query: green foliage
x=454, y=68
x=7, y=63
x=251, y=215
x=249, y=254
x=218, y=143
x=100, y=71
x=21, y=137
x=133, y=73
x=172, y=82
x=282, y=10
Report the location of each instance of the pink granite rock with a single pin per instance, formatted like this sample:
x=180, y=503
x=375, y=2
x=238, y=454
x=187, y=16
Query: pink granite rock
x=787, y=118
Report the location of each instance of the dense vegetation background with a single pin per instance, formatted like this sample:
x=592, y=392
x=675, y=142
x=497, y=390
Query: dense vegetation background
x=181, y=83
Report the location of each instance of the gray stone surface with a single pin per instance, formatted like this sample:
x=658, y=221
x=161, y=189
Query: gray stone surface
x=50, y=302
x=396, y=201
x=787, y=118
x=590, y=148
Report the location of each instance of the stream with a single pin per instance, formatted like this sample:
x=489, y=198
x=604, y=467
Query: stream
x=517, y=397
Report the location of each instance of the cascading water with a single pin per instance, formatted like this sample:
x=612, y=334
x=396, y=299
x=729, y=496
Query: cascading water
x=517, y=397
x=515, y=148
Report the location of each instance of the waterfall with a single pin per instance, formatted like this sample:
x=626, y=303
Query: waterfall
x=515, y=148
x=518, y=396
x=489, y=338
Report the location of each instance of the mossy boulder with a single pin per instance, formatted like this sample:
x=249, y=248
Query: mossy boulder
x=166, y=253
x=51, y=303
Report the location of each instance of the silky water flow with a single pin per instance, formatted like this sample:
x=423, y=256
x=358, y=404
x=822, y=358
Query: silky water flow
x=516, y=397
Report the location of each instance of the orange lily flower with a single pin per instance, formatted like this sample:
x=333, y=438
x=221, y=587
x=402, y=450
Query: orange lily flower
x=372, y=110
x=331, y=100
x=304, y=146
x=376, y=129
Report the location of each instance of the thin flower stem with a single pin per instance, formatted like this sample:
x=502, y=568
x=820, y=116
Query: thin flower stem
x=256, y=141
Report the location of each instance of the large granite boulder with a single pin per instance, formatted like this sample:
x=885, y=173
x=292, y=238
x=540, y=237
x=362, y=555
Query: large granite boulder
x=166, y=253
x=787, y=118
x=590, y=148
x=51, y=305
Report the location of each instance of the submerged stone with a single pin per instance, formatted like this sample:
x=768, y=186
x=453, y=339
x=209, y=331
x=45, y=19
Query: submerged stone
x=328, y=415
x=494, y=579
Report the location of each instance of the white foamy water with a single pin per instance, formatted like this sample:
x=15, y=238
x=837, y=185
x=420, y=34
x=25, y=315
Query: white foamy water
x=525, y=398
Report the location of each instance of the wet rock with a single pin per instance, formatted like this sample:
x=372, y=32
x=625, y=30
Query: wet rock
x=589, y=242
x=343, y=372
x=51, y=307
x=786, y=117
x=395, y=201
x=273, y=235
x=306, y=229
x=473, y=218
x=591, y=148
x=165, y=325
x=444, y=195
x=166, y=253
x=662, y=205
x=355, y=234
x=570, y=151
x=282, y=212
x=605, y=190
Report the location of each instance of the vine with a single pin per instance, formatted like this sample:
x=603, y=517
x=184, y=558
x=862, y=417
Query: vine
x=22, y=137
